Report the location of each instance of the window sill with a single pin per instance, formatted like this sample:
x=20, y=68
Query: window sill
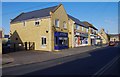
x=43, y=46
x=57, y=27
x=37, y=25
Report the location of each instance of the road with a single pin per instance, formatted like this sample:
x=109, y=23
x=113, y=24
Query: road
x=91, y=65
x=114, y=69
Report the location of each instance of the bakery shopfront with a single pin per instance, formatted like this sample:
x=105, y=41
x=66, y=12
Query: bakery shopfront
x=60, y=40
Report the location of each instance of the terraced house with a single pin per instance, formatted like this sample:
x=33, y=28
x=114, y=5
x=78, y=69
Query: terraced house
x=47, y=28
x=51, y=29
x=78, y=32
x=92, y=33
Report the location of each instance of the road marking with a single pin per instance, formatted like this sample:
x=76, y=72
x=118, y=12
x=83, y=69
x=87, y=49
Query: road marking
x=102, y=70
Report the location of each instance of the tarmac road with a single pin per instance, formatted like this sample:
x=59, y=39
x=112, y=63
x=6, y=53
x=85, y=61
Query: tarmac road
x=91, y=65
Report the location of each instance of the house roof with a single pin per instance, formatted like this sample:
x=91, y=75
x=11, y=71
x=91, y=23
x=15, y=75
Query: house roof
x=77, y=21
x=112, y=35
x=89, y=25
x=43, y=13
x=35, y=14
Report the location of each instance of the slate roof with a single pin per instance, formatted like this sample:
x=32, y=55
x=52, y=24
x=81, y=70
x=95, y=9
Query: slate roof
x=34, y=14
x=43, y=13
x=77, y=21
x=112, y=35
x=89, y=25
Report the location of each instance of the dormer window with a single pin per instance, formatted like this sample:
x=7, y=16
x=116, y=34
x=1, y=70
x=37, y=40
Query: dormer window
x=37, y=22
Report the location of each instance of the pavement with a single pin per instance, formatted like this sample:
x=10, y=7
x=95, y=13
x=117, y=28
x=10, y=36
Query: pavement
x=33, y=56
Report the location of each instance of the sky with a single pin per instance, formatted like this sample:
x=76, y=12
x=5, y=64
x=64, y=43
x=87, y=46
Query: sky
x=100, y=14
x=60, y=0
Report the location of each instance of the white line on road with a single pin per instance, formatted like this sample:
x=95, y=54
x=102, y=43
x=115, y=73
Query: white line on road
x=102, y=70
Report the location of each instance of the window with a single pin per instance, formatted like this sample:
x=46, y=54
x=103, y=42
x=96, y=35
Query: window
x=63, y=41
x=56, y=40
x=16, y=38
x=57, y=23
x=43, y=40
x=77, y=27
x=82, y=28
x=86, y=30
x=37, y=22
x=69, y=21
x=24, y=23
x=64, y=25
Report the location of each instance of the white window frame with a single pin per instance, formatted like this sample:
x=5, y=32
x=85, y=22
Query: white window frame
x=64, y=25
x=44, y=43
x=37, y=20
x=57, y=25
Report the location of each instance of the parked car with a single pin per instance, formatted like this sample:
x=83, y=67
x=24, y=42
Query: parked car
x=111, y=43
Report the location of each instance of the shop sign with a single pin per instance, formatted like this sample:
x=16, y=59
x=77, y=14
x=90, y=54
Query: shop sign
x=61, y=34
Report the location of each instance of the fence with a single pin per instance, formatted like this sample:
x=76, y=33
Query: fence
x=13, y=47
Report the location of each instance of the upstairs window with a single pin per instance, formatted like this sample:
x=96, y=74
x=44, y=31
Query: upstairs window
x=77, y=27
x=86, y=30
x=82, y=28
x=57, y=23
x=64, y=25
x=37, y=22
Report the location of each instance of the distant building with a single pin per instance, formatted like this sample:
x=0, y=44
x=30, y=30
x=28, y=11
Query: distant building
x=114, y=37
x=4, y=38
x=103, y=36
x=1, y=33
x=1, y=36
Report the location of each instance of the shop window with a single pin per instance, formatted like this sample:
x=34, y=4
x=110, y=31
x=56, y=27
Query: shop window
x=57, y=23
x=63, y=41
x=56, y=40
x=43, y=40
x=37, y=22
x=64, y=25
